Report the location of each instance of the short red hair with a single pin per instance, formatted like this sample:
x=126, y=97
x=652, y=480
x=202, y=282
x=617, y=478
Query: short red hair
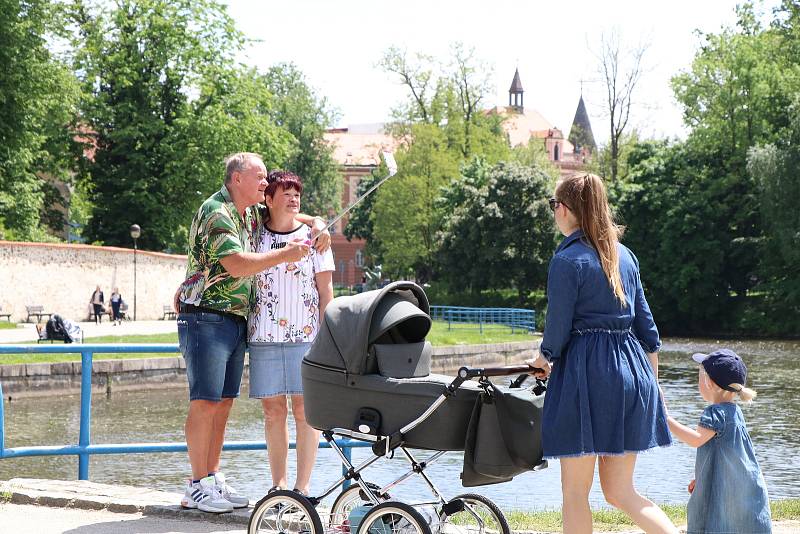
x=283, y=179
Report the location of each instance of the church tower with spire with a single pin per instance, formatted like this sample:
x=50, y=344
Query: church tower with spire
x=580, y=135
x=515, y=94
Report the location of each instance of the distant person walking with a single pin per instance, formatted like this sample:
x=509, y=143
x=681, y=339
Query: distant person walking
x=116, y=304
x=213, y=304
x=603, y=404
x=97, y=304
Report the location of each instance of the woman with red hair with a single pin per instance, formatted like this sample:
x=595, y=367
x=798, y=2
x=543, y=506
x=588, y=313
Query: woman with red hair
x=288, y=305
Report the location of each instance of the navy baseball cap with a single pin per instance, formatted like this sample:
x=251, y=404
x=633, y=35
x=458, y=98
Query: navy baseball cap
x=724, y=367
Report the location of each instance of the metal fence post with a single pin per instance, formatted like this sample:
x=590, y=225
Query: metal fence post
x=86, y=414
x=348, y=453
x=2, y=423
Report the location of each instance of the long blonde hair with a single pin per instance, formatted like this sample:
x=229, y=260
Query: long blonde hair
x=585, y=196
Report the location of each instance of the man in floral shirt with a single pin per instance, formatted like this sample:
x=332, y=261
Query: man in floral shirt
x=213, y=303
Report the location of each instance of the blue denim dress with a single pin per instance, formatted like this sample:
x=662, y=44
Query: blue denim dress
x=602, y=396
x=730, y=496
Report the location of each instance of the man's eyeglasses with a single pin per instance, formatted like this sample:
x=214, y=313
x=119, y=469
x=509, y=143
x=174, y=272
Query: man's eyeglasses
x=554, y=203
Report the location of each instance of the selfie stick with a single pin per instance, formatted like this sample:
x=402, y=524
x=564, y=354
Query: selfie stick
x=391, y=164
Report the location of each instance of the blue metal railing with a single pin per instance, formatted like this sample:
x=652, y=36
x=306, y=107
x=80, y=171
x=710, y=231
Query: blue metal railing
x=515, y=318
x=84, y=449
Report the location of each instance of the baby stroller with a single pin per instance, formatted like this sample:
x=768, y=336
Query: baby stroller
x=367, y=377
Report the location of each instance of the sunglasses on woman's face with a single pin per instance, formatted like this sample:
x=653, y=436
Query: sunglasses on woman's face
x=554, y=203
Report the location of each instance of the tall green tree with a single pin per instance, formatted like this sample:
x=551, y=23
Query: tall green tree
x=166, y=103
x=676, y=211
x=38, y=96
x=774, y=167
x=441, y=125
x=305, y=116
x=404, y=217
x=232, y=113
x=500, y=231
x=734, y=96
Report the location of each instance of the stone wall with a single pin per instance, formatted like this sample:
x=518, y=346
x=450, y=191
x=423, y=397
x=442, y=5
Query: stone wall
x=43, y=379
x=62, y=277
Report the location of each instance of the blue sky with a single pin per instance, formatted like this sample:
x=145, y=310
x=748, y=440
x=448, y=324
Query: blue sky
x=338, y=43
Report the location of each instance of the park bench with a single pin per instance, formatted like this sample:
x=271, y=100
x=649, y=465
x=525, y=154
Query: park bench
x=169, y=312
x=6, y=315
x=104, y=312
x=41, y=331
x=36, y=311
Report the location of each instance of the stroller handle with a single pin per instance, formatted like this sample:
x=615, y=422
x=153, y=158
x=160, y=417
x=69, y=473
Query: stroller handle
x=467, y=372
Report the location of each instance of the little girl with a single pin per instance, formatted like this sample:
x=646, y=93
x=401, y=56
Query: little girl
x=728, y=494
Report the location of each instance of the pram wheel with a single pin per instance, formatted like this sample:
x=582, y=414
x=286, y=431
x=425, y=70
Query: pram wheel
x=350, y=498
x=393, y=517
x=284, y=512
x=477, y=515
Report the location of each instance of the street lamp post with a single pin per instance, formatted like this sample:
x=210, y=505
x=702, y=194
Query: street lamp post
x=136, y=231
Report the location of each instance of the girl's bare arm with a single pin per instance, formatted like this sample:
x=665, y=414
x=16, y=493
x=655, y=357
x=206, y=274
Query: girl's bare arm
x=693, y=438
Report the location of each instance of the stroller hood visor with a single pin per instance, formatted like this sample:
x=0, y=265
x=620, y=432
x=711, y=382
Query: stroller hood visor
x=398, y=313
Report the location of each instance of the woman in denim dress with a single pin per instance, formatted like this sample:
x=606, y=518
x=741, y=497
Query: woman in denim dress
x=600, y=350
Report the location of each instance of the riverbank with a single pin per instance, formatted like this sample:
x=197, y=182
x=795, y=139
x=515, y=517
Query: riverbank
x=64, y=378
x=118, y=509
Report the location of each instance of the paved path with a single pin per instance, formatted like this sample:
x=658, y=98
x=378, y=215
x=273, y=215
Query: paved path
x=33, y=519
x=27, y=331
x=34, y=506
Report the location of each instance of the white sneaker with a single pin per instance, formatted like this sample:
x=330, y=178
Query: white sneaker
x=228, y=493
x=205, y=497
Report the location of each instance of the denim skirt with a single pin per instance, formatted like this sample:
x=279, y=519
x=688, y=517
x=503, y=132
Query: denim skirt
x=275, y=369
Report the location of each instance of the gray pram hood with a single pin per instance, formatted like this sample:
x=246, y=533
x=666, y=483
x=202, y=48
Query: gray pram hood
x=397, y=313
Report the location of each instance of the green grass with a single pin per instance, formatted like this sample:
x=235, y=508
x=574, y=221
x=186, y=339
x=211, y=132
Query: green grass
x=53, y=358
x=614, y=520
x=439, y=336
x=471, y=335
x=4, y=325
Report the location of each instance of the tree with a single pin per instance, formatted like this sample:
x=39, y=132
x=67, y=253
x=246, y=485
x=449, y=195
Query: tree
x=774, y=167
x=305, y=116
x=450, y=100
x=621, y=76
x=359, y=222
x=158, y=152
x=38, y=98
x=675, y=217
x=736, y=95
x=233, y=113
x=500, y=232
x=404, y=216
x=441, y=127
x=737, y=91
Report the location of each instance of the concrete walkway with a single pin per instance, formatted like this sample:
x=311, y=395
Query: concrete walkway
x=27, y=331
x=35, y=506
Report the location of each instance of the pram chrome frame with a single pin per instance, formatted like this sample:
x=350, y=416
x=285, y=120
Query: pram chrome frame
x=384, y=446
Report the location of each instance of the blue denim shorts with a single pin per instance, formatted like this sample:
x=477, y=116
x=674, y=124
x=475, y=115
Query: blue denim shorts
x=213, y=346
x=275, y=369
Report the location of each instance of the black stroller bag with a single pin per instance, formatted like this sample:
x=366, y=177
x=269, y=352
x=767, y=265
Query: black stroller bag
x=503, y=436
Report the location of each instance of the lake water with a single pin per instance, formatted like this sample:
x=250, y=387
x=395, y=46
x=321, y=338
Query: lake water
x=662, y=474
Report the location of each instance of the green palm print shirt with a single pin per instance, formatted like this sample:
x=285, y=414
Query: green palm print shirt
x=217, y=231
